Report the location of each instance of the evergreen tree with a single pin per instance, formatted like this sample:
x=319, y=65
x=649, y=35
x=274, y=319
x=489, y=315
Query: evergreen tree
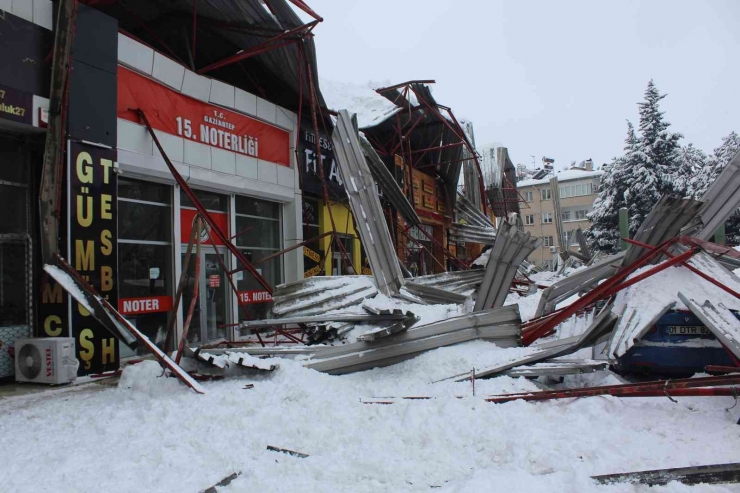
x=603, y=235
x=651, y=166
x=692, y=165
x=721, y=156
x=658, y=148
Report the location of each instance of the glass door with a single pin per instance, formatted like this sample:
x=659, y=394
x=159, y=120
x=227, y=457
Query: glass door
x=211, y=311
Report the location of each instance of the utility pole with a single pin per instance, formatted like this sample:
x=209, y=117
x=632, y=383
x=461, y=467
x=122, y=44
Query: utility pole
x=51, y=175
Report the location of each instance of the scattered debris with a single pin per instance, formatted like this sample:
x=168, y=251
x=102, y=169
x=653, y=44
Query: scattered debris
x=713, y=474
x=286, y=451
x=224, y=482
x=104, y=313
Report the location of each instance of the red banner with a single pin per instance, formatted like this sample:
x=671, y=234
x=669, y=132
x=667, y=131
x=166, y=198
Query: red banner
x=177, y=114
x=187, y=221
x=152, y=304
x=256, y=296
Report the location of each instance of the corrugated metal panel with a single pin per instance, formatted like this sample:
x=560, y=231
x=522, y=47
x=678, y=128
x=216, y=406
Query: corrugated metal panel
x=601, y=325
x=720, y=321
x=720, y=200
x=583, y=280
x=365, y=205
x=462, y=282
x=473, y=234
x=502, y=193
x=434, y=295
x=557, y=368
x=471, y=213
x=664, y=222
x=557, y=212
x=509, y=250
x=501, y=326
x=388, y=185
x=634, y=322
x=318, y=295
x=583, y=244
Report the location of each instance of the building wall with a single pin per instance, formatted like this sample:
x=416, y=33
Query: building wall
x=536, y=207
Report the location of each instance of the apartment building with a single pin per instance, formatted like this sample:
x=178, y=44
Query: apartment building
x=578, y=187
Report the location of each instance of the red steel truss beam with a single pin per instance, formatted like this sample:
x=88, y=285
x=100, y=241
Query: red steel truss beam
x=709, y=247
x=438, y=148
x=404, y=84
x=651, y=272
x=215, y=229
x=302, y=5
x=536, y=331
x=692, y=269
x=262, y=47
x=648, y=389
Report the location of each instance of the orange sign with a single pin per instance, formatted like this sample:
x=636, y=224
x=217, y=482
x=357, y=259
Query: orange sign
x=177, y=114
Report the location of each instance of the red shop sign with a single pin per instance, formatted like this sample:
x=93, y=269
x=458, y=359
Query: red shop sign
x=256, y=296
x=151, y=304
x=177, y=114
x=214, y=281
x=187, y=222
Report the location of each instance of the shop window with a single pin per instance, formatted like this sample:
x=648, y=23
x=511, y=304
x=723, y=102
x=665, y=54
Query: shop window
x=145, y=254
x=210, y=200
x=15, y=238
x=260, y=222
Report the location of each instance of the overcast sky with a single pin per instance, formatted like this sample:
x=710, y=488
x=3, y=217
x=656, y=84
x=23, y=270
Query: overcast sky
x=553, y=78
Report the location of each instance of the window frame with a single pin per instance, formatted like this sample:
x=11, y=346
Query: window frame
x=545, y=216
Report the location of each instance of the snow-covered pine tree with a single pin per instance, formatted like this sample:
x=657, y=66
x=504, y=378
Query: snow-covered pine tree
x=658, y=148
x=692, y=165
x=715, y=164
x=603, y=235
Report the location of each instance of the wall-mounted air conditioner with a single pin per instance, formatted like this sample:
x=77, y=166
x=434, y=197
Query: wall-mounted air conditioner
x=46, y=360
x=553, y=249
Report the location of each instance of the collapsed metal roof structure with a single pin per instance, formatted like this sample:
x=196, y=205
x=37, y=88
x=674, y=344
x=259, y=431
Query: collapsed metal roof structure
x=251, y=44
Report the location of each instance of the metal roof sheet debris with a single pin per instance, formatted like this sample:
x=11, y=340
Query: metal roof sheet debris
x=719, y=319
x=721, y=199
x=366, y=208
x=501, y=326
x=602, y=324
x=664, y=221
x=711, y=474
x=510, y=249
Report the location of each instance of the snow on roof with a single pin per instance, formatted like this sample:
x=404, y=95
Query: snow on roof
x=371, y=108
x=567, y=175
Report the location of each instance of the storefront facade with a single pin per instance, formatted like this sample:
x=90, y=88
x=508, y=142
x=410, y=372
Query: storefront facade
x=25, y=40
x=124, y=222
x=236, y=152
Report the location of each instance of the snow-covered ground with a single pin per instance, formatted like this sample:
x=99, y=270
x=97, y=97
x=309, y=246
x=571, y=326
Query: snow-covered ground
x=154, y=434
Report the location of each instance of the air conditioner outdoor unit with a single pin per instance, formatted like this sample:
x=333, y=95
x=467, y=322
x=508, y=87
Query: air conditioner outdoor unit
x=553, y=249
x=46, y=360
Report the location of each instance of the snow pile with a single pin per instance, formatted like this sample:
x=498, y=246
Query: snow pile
x=153, y=434
x=371, y=108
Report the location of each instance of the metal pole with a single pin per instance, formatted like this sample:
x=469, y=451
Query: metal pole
x=624, y=226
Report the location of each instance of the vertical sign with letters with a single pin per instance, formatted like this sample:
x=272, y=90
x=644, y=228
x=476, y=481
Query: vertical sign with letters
x=92, y=206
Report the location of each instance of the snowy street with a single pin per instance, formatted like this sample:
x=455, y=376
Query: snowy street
x=154, y=434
